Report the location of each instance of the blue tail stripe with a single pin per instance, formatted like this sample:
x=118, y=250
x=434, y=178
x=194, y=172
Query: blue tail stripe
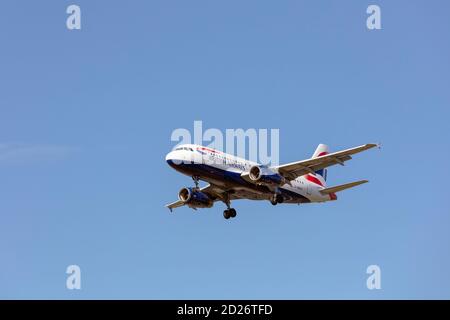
x=323, y=173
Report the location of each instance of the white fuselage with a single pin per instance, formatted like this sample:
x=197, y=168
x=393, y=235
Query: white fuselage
x=224, y=170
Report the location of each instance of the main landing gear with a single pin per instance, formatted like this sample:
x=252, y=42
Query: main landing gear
x=277, y=198
x=229, y=212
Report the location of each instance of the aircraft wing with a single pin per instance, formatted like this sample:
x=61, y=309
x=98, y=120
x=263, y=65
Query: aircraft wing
x=293, y=170
x=214, y=192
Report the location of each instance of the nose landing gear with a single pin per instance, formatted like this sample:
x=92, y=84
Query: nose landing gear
x=196, y=179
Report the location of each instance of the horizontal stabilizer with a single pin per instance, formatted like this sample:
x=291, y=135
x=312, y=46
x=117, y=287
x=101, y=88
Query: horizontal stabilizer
x=342, y=187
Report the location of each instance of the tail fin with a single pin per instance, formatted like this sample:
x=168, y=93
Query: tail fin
x=322, y=149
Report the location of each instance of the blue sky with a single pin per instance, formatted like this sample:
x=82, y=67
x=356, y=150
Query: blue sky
x=86, y=118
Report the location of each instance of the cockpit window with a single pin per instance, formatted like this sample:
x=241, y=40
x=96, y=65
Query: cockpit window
x=184, y=148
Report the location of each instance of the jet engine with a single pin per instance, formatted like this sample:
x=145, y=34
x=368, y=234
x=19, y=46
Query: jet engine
x=195, y=198
x=265, y=176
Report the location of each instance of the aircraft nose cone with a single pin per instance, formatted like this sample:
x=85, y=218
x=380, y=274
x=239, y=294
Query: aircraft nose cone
x=169, y=156
x=172, y=159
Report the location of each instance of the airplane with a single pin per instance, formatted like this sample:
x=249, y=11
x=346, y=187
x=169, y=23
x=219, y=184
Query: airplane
x=232, y=178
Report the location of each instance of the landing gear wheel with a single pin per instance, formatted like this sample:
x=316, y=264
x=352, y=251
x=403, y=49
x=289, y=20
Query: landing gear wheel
x=279, y=198
x=229, y=213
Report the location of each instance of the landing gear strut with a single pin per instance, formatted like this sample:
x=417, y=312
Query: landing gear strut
x=277, y=198
x=196, y=179
x=229, y=212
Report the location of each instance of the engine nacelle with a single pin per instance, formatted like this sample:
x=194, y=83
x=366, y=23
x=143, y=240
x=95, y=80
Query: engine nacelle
x=264, y=175
x=194, y=198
